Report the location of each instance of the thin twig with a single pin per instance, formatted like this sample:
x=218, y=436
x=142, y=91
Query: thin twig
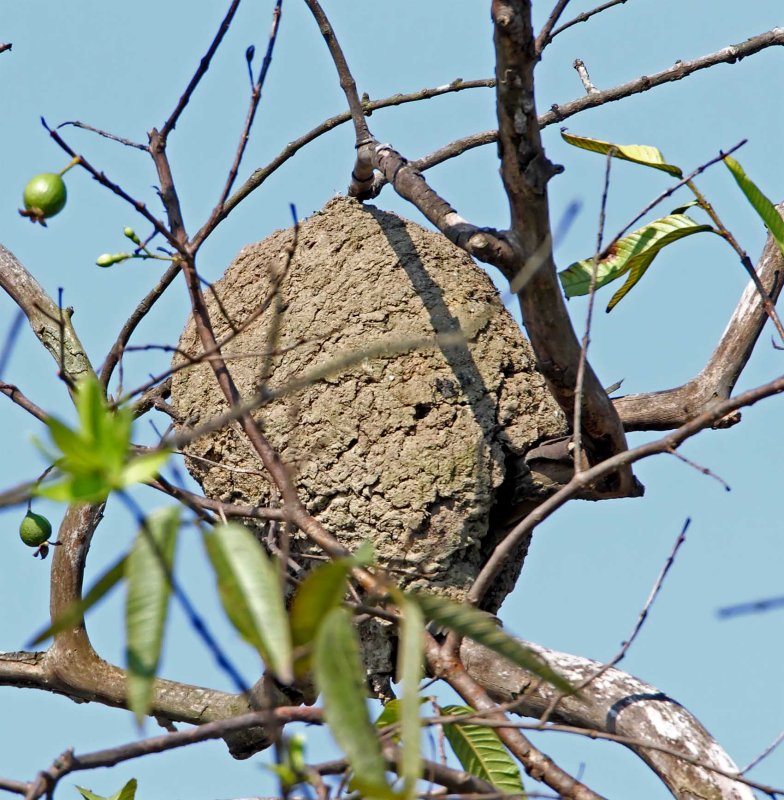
x=201, y=71
x=140, y=207
x=14, y=329
x=586, y=340
x=585, y=78
x=112, y=756
x=255, y=99
x=22, y=401
x=751, y=608
x=627, y=643
x=726, y=234
x=105, y=134
x=585, y=479
x=584, y=16
x=764, y=754
x=137, y=315
x=678, y=71
x=704, y=470
x=546, y=34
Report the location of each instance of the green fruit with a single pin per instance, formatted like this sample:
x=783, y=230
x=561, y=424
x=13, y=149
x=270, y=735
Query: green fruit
x=45, y=196
x=35, y=529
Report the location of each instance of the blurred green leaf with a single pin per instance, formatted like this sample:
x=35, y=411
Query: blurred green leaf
x=73, y=614
x=148, y=571
x=94, y=458
x=321, y=590
x=143, y=468
x=481, y=752
x=411, y=645
x=128, y=792
x=760, y=203
x=480, y=626
x=631, y=255
x=636, y=153
x=249, y=587
x=340, y=676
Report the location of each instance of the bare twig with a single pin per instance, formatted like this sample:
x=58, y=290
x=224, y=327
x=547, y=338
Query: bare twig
x=584, y=16
x=585, y=479
x=678, y=71
x=70, y=762
x=764, y=754
x=137, y=315
x=629, y=641
x=21, y=400
x=726, y=234
x=255, y=98
x=546, y=34
x=704, y=470
x=754, y=607
x=201, y=71
x=586, y=340
x=106, y=135
x=140, y=207
x=14, y=329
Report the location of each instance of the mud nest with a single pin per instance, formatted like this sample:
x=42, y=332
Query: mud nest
x=406, y=394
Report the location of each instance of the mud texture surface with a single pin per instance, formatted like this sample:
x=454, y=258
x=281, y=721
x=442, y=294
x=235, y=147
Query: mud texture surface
x=407, y=394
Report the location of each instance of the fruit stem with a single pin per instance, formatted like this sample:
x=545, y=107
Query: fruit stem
x=74, y=161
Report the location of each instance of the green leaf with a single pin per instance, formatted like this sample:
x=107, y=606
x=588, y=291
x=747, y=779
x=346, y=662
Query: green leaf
x=633, y=255
x=144, y=467
x=760, y=203
x=128, y=792
x=637, y=153
x=481, y=752
x=341, y=680
x=93, y=456
x=390, y=714
x=322, y=590
x=411, y=646
x=249, y=588
x=148, y=570
x=479, y=626
x=72, y=615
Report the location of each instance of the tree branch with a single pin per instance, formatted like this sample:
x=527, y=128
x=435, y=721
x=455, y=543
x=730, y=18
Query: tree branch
x=51, y=326
x=679, y=70
x=619, y=704
x=672, y=408
x=525, y=171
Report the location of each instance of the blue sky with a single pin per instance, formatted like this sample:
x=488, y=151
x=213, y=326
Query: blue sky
x=122, y=67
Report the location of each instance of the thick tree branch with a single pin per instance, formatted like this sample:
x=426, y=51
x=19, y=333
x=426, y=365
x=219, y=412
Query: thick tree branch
x=525, y=171
x=51, y=325
x=620, y=704
x=71, y=667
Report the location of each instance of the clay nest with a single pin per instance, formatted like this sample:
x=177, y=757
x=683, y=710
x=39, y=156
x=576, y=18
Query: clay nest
x=405, y=395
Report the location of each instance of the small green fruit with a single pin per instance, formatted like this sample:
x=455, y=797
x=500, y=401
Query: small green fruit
x=44, y=196
x=35, y=529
